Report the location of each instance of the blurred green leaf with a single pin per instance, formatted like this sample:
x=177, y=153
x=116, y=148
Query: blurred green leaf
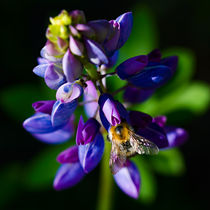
x=144, y=35
x=9, y=182
x=42, y=169
x=194, y=97
x=148, y=183
x=16, y=100
x=168, y=162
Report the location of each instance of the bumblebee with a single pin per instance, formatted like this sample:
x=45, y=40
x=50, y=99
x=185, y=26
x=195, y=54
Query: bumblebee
x=126, y=143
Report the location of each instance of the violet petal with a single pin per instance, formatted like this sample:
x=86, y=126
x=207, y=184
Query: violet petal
x=128, y=180
x=90, y=94
x=54, y=77
x=171, y=62
x=91, y=154
x=39, y=123
x=69, y=92
x=68, y=175
x=72, y=68
x=126, y=23
x=160, y=120
x=151, y=77
x=43, y=106
x=79, y=139
x=62, y=112
x=76, y=46
x=132, y=66
x=176, y=136
x=40, y=69
x=95, y=52
x=69, y=155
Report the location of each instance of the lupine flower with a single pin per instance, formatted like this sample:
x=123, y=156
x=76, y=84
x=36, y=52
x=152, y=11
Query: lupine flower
x=74, y=44
x=145, y=73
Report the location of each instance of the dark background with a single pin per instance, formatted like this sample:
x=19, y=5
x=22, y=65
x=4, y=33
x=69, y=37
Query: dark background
x=181, y=22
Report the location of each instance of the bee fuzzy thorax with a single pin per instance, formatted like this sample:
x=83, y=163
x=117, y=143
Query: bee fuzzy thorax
x=119, y=133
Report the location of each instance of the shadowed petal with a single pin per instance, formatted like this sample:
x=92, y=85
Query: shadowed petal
x=69, y=155
x=91, y=154
x=77, y=16
x=154, y=133
x=79, y=130
x=43, y=106
x=54, y=77
x=72, y=68
x=126, y=23
x=132, y=66
x=160, y=120
x=151, y=77
x=137, y=95
x=155, y=56
x=95, y=52
x=39, y=123
x=45, y=55
x=128, y=180
x=85, y=30
x=101, y=28
x=171, y=62
x=62, y=112
x=176, y=136
x=112, y=61
x=68, y=175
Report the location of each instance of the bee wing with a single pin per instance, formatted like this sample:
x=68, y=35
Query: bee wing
x=117, y=161
x=142, y=145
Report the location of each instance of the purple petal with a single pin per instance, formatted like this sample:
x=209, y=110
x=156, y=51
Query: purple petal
x=85, y=30
x=171, y=62
x=160, y=120
x=154, y=133
x=90, y=94
x=76, y=46
x=79, y=130
x=155, y=56
x=42, y=61
x=51, y=49
x=139, y=119
x=91, y=154
x=62, y=44
x=151, y=77
x=132, y=66
x=74, y=31
x=95, y=52
x=69, y=155
x=112, y=61
x=62, y=112
x=58, y=136
x=54, y=77
x=72, y=68
x=137, y=95
x=68, y=175
x=176, y=136
x=126, y=22
x=43, y=106
x=128, y=180
x=111, y=44
x=39, y=123
x=69, y=92
x=41, y=69
x=45, y=55
x=77, y=16
x=101, y=28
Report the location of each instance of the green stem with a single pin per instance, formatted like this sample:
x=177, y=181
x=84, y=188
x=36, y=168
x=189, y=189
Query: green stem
x=106, y=181
x=91, y=70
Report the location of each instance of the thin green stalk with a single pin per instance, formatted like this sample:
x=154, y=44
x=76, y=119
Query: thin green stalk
x=105, y=195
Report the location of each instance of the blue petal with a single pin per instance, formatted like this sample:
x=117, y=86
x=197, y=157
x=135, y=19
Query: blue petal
x=95, y=52
x=54, y=77
x=39, y=123
x=68, y=175
x=62, y=112
x=91, y=154
x=128, y=180
x=126, y=23
x=151, y=77
x=58, y=136
x=40, y=69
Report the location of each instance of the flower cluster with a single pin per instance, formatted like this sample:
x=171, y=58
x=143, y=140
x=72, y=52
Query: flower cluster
x=74, y=63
